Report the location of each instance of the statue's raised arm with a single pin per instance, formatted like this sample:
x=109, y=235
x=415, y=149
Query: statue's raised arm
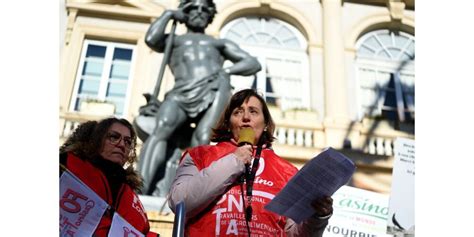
x=155, y=36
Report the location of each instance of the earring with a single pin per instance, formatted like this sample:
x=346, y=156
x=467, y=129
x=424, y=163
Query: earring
x=265, y=129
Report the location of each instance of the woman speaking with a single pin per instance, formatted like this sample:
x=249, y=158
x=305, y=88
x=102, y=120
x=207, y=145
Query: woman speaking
x=226, y=186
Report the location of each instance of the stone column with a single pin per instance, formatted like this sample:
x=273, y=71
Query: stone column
x=336, y=115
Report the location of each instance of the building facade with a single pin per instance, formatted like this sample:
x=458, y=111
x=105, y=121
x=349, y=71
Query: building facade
x=335, y=73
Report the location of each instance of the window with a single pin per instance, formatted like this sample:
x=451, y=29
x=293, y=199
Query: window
x=281, y=50
x=104, y=74
x=385, y=71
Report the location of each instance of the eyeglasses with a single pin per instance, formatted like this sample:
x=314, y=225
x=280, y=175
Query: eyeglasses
x=115, y=138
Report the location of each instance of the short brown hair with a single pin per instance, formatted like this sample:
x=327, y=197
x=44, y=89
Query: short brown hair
x=222, y=130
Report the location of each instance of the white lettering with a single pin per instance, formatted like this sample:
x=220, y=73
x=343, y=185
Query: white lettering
x=218, y=219
x=222, y=199
x=137, y=205
x=263, y=194
x=232, y=228
x=259, y=180
x=238, y=204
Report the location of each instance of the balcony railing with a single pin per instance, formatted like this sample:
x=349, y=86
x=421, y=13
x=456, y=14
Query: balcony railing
x=89, y=110
x=379, y=143
x=302, y=129
x=70, y=120
x=299, y=136
x=290, y=132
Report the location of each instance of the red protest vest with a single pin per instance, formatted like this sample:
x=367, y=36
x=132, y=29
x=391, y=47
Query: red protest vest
x=227, y=216
x=127, y=203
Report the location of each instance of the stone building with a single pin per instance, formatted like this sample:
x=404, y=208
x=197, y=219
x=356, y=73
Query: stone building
x=335, y=73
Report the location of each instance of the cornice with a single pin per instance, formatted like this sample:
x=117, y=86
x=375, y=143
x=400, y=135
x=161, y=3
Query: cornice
x=143, y=12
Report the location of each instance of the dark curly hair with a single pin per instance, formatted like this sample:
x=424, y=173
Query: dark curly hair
x=222, y=130
x=87, y=139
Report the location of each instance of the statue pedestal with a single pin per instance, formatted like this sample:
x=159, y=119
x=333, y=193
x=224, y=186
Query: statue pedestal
x=155, y=204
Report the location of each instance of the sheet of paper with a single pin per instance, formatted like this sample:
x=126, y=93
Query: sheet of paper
x=321, y=176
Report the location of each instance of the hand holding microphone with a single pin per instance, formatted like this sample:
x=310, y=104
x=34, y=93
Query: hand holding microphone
x=244, y=151
x=246, y=139
x=244, y=154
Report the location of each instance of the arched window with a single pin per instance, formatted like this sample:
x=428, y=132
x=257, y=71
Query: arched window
x=385, y=74
x=281, y=50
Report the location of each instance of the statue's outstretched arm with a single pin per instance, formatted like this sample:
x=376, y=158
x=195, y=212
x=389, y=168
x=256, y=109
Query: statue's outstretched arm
x=155, y=36
x=244, y=63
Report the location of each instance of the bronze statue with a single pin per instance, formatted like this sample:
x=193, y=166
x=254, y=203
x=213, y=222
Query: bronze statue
x=201, y=91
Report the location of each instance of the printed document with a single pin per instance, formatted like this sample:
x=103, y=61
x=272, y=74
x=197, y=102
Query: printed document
x=321, y=176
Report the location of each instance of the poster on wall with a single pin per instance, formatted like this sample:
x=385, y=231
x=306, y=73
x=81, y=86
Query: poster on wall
x=402, y=197
x=358, y=212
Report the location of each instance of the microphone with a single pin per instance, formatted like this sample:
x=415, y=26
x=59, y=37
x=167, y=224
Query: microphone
x=246, y=136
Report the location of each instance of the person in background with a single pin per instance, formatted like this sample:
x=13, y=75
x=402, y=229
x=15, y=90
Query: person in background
x=97, y=152
x=208, y=179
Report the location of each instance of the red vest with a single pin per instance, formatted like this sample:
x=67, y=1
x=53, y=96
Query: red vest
x=227, y=216
x=127, y=203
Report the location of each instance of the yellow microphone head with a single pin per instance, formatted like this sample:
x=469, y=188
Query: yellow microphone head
x=246, y=136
